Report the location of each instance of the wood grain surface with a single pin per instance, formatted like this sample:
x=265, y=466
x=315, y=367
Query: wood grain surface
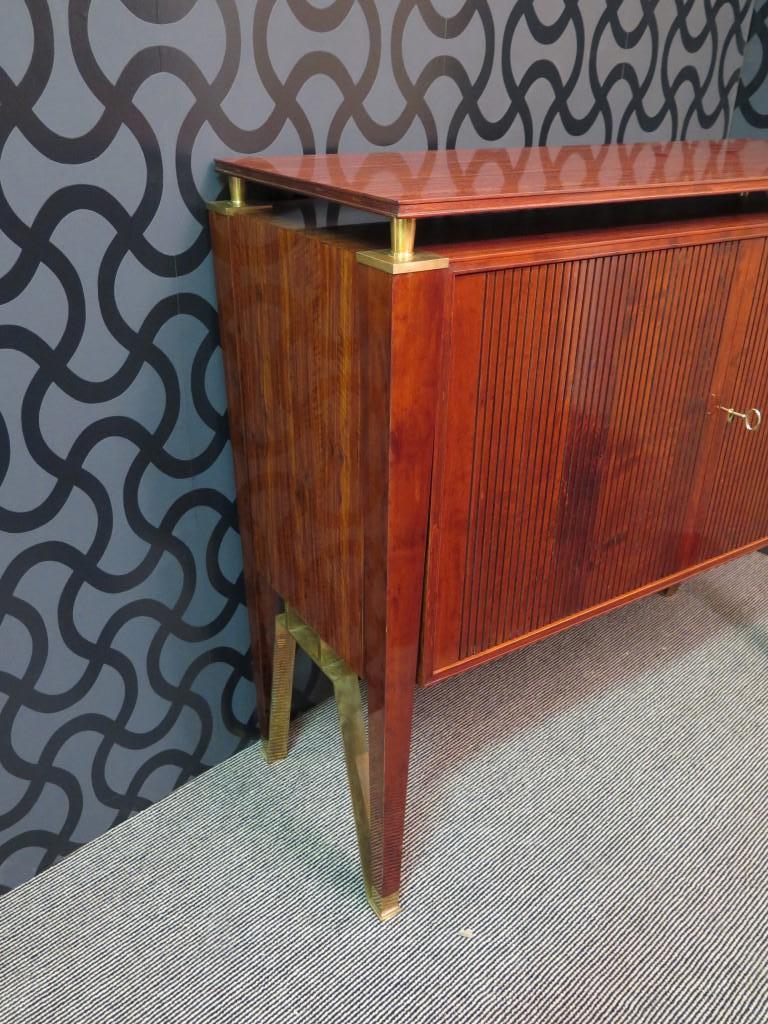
x=577, y=399
x=293, y=361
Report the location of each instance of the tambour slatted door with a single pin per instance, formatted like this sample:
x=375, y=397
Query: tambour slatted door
x=732, y=507
x=576, y=397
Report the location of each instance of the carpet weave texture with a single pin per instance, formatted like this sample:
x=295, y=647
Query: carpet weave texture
x=587, y=841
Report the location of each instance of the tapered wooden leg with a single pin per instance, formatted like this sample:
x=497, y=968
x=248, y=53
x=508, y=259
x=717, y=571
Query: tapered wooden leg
x=400, y=387
x=390, y=713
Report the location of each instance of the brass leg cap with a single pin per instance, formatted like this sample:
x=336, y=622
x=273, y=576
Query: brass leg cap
x=385, y=908
x=270, y=755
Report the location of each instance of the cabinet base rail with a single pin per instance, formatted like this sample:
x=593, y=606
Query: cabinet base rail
x=290, y=630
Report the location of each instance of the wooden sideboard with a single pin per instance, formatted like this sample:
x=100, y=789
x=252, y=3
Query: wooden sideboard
x=476, y=397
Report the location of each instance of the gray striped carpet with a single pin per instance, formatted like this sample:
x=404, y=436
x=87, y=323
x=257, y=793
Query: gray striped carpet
x=587, y=843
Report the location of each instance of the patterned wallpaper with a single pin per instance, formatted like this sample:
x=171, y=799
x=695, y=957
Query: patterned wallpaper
x=123, y=636
x=750, y=117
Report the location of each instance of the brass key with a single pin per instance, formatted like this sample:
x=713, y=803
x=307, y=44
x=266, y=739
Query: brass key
x=752, y=417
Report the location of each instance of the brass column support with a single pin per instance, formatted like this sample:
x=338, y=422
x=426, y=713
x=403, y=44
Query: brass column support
x=238, y=199
x=401, y=258
x=402, y=233
x=291, y=630
x=237, y=190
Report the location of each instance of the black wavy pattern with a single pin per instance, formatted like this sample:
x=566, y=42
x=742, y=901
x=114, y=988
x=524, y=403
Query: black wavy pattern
x=752, y=98
x=89, y=719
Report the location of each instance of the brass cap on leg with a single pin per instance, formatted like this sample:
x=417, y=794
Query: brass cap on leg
x=385, y=908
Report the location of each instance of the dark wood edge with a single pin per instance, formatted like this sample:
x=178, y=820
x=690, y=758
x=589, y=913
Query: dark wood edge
x=261, y=600
x=578, y=197
x=432, y=562
x=503, y=253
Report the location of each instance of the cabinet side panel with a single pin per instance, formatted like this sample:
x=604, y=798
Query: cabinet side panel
x=257, y=595
x=298, y=419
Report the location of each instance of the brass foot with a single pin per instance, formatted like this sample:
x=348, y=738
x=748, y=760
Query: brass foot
x=275, y=745
x=385, y=909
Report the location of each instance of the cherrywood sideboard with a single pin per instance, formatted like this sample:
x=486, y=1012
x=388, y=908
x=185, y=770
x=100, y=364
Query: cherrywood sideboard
x=476, y=397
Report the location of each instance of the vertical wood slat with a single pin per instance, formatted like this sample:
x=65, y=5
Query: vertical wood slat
x=591, y=392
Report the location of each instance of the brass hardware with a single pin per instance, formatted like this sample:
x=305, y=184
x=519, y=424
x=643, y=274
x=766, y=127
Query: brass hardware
x=400, y=257
x=224, y=206
x=386, y=908
x=275, y=744
x=402, y=233
x=290, y=629
x=236, y=190
x=382, y=259
x=752, y=418
x=238, y=199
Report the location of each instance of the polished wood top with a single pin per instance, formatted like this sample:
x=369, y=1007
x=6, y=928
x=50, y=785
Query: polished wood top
x=437, y=182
